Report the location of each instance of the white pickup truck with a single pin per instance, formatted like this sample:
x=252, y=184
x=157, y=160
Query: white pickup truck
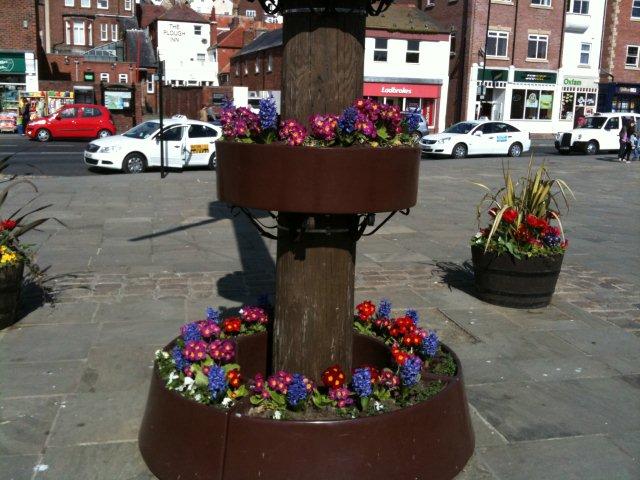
x=599, y=132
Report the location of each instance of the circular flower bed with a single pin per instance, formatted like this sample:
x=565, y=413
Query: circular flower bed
x=200, y=366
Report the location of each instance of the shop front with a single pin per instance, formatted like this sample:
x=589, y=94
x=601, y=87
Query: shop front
x=423, y=97
x=619, y=97
x=491, y=93
x=532, y=106
x=579, y=100
x=17, y=74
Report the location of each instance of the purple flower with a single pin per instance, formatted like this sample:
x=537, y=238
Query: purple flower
x=413, y=315
x=227, y=103
x=361, y=382
x=347, y=121
x=410, y=371
x=213, y=315
x=209, y=328
x=190, y=332
x=297, y=390
x=217, y=381
x=384, y=308
x=178, y=358
x=412, y=121
x=268, y=114
x=365, y=126
x=342, y=397
x=552, y=240
x=430, y=344
x=254, y=315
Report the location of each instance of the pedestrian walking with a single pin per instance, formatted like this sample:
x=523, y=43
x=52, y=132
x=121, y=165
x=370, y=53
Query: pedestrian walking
x=635, y=146
x=203, y=113
x=625, y=146
x=26, y=115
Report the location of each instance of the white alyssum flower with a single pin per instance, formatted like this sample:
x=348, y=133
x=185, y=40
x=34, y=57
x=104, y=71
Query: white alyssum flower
x=226, y=402
x=197, y=397
x=188, y=384
x=277, y=415
x=377, y=406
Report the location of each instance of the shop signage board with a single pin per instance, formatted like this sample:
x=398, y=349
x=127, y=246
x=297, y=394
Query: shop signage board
x=625, y=89
x=401, y=90
x=89, y=76
x=524, y=76
x=12, y=62
x=492, y=74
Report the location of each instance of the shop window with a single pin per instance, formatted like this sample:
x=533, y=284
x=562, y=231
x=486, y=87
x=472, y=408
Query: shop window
x=580, y=7
x=114, y=32
x=104, y=4
x=452, y=44
x=270, y=63
x=127, y=5
x=635, y=10
x=497, y=43
x=576, y=104
x=413, y=51
x=585, y=53
x=632, y=56
x=197, y=29
x=104, y=77
x=69, y=3
x=85, y=3
x=537, y=48
x=250, y=13
x=380, y=50
x=541, y=3
x=104, y=32
x=531, y=104
x=151, y=85
x=78, y=33
x=123, y=78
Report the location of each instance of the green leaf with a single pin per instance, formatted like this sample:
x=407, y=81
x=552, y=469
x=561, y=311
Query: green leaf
x=201, y=379
x=241, y=391
x=230, y=366
x=382, y=132
x=364, y=401
x=278, y=398
x=256, y=399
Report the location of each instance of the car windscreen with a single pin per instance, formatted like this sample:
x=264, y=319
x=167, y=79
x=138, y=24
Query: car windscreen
x=142, y=131
x=593, y=122
x=462, y=127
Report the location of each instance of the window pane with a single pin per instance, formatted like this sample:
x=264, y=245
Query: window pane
x=413, y=57
x=532, y=102
x=379, y=55
x=413, y=45
x=172, y=134
x=517, y=104
x=381, y=43
x=546, y=105
x=492, y=48
x=68, y=113
x=531, y=50
x=635, y=9
x=502, y=46
x=542, y=47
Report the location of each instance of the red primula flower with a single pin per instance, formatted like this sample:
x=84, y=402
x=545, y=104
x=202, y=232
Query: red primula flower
x=333, y=377
x=400, y=356
x=232, y=325
x=522, y=234
x=412, y=340
x=366, y=310
x=535, y=222
x=234, y=378
x=510, y=215
x=402, y=326
x=8, y=224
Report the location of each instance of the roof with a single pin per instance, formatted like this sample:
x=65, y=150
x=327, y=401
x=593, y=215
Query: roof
x=149, y=13
x=405, y=18
x=182, y=13
x=147, y=54
x=232, y=38
x=265, y=41
x=128, y=22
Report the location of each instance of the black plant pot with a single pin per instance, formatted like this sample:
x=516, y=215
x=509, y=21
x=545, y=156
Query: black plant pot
x=505, y=280
x=10, y=284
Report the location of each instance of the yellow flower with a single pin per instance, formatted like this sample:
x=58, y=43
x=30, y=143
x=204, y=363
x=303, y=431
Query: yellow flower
x=7, y=255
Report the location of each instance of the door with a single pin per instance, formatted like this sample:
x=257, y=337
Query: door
x=200, y=145
x=504, y=137
x=610, y=139
x=483, y=140
x=174, y=147
x=65, y=123
x=88, y=121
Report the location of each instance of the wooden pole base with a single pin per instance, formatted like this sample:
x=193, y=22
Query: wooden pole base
x=313, y=326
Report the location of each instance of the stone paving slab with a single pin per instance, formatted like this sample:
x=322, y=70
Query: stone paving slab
x=554, y=393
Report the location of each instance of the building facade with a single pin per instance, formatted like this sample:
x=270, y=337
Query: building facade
x=620, y=73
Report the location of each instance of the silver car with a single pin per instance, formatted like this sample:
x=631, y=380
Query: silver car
x=423, y=127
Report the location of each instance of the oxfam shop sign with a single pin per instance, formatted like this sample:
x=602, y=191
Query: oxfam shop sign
x=12, y=62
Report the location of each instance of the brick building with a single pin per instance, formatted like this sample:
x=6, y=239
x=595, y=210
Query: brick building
x=620, y=63
x=505, y=59
x=258, y=65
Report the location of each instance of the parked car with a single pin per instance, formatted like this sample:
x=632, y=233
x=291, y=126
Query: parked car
x=477, y=138
x=78, y=120
x=598, y=132
x=423, y=126
x=186, y=143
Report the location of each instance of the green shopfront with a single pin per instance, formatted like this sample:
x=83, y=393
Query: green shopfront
x=18, y=72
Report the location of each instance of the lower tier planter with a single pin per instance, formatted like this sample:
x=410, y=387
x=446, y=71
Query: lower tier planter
x=182, y=439
x=10, y=285
x=505, y=280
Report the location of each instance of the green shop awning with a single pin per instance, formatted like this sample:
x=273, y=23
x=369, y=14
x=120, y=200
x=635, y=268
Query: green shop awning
x=12, y=63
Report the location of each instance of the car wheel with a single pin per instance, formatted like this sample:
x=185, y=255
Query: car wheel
x=591, y=148
x=515, y=150
x=43, y=135
x=104, y=133
x=134, y=163
x=459, y=151
x=212, y=161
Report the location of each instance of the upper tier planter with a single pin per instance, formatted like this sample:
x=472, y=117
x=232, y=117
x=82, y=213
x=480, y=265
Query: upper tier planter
x=317, y=180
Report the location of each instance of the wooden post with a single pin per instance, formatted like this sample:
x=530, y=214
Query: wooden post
x=323, y=63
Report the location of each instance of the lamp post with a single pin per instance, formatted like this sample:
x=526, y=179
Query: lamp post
x=483, y=88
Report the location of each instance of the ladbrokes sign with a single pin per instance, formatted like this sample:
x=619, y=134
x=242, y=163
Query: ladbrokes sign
x=401, y=90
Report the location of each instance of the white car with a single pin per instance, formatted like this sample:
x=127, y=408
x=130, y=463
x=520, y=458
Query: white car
x=599, y=132
x=477, y=137
x=186, y=143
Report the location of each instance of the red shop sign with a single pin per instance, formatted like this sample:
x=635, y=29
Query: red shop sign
x=401, y=90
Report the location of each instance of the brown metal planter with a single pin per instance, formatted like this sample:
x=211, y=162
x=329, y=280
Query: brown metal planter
x=10, y=285
x=505, y=280
x=181, y=439
x=317, y=180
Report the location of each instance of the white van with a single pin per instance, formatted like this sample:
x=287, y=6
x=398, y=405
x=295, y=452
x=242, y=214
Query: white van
x=599, y=132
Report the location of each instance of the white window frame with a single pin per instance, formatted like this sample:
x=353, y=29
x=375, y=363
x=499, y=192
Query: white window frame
x=76, y=39
x=123, y=76
x=585, y=51
x=102, y=4
x=104, y=32
x=197, y=29
x=85, y=3
x=114, y=32
x=635, y=5
x=127, y=5
x=270, y=63
x=384, y=49
x=104, y=77
x=412, y=51
x=541, y=3
x=151, y=85
x=578, y=11
x=67, y=32
x=250, y=13
x=69, y=3
x=498, y=35
x=534, y=37
x=637, y=56
x=90, y=34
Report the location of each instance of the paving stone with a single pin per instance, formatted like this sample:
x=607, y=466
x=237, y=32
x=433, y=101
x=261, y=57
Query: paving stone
x=628, y=442
x=117, y=368
x=25, y=424
x=99, y=418
x=484, y=432
x=47, y=343
x=475, y=469
x=562, y=367
x=18, y=467
x=592, y=457
x=142, y=309
x=111, y=461
x=76, y=312
x=152, y=333
x=40, y=378
x=542, y=410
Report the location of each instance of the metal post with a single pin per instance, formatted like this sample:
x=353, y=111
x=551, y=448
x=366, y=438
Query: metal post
x=484, y=63
x=161, y=112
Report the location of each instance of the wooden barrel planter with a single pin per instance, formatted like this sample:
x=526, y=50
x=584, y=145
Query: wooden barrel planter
x=183, y=439
x=317, y=180
x=518, y=283
x=10, y=286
